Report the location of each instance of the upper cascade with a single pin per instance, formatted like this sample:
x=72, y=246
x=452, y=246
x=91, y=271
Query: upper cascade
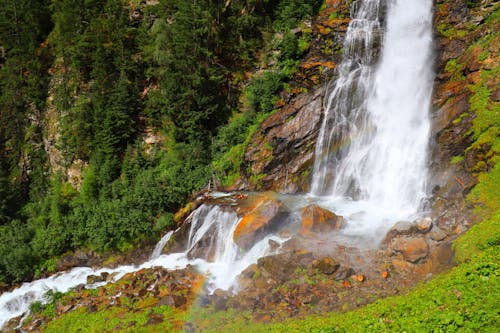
x=372, y=147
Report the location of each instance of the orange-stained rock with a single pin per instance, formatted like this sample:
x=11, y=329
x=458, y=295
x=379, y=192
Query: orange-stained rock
x=413, y=249
x=257, y=221
x=315, y=218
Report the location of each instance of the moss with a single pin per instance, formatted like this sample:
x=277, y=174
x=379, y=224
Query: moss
x=456, y=159
x=455, y=69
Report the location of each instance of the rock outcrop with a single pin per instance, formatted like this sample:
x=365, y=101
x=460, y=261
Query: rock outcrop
x=318, y=219
x=259, y=221
x=468, y=54
x=282, y=151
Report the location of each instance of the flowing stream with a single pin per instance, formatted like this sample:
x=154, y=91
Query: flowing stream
x=370, y=163
x=221, y=271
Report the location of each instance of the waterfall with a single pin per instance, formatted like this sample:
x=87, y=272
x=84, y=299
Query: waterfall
x=372, y=147
x=161, y=245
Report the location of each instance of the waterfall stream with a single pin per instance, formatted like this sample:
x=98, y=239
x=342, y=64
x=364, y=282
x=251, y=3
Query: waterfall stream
x=371, y=154
x=370, y=159
x=227, y=263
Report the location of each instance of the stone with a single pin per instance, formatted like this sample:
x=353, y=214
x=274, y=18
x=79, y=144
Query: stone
x=91, y=279
x=279, y=267
x=413, y=249
x=401, y=228
x=344, y=273
x=318, y=219
x=260, y=220
x=326, y=265
x=437, y=234
x=424, y=224
x=167, y=300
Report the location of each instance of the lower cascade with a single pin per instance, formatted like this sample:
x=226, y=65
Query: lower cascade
x=370, y=162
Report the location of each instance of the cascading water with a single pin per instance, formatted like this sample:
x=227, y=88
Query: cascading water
x=161, y=245
x=221, y=271
x=372, y=149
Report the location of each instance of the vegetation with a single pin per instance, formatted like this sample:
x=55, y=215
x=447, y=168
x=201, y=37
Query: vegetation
x=80, y=85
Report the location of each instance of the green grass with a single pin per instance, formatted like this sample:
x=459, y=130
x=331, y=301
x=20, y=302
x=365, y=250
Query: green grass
x=117, y=319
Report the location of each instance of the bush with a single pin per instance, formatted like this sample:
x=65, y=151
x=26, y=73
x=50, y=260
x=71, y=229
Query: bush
x=261, y=94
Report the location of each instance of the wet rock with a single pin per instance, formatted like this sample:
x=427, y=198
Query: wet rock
x=273, y=245
x=258, y=222
x=424, y=224
x=220, y=300
x=167, y=300
x=287, y=138
x=91, y=279
x=279, y=267
x=413, y=249
x=437, y=234
x=79, y=287
x=326, y=265
x=401, y=228
x=318, y=219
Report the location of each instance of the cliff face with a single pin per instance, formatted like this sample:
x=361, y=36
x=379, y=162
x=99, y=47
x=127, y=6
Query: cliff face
x=280, y=155
x=465, y=104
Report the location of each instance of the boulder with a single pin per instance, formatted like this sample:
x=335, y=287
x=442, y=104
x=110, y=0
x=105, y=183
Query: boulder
x=281, y=267
x=326, y=265
x=424, y=224
x=344, y=273
x=437, y=234
x=413, y=249
x=255, y=224
x=318, y=219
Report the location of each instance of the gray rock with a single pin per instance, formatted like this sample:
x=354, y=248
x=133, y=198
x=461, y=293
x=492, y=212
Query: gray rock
x=437, y=234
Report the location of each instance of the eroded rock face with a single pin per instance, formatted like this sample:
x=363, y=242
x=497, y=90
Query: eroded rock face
x=461, y=63
x=283, y=148
x=318, y=219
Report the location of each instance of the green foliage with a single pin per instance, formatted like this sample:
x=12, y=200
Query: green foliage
x=456, y=159
x=455, y=69
x=261, y=93
x=290, y=12
x=117, y=319
x=16, y=256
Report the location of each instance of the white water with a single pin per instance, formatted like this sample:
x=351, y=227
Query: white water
x=161, y=245
x=371, y=155
x=227, y=263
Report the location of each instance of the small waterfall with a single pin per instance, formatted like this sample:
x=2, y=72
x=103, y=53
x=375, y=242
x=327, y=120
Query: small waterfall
x=372, y=148
x=161, y=245
x=212, y=222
